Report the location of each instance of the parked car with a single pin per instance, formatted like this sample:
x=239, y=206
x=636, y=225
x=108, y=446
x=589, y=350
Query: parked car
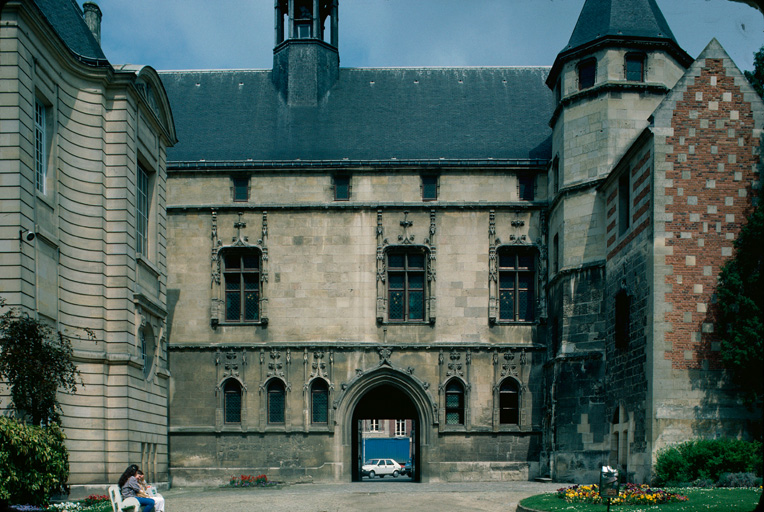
x=381, y=467
x=406, y=469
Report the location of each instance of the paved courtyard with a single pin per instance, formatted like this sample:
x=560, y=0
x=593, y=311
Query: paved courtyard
x=387, y=495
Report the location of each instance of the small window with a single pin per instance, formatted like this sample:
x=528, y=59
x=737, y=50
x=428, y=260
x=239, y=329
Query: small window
x=525, y=187
x=240, y=190
x=454, y=403
x=241, y=272
x=319, y=402
x=341, y=188
x=143, y=205
x=400, y=428
x=556, y=180
x=232, y=401
x=509, y=403
x=276, y=402
x=635, y=67
x=406, y=283
x=624, y=198
x=40, y=147
x=622, y=319
x=429, y=188
x=587, y=72
x=517, y=285
x=373, y=426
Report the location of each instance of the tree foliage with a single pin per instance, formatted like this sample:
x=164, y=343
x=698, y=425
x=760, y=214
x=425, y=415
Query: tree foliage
x=756, y=77
x=34, y=462
x=36, y=362
x=740, y=310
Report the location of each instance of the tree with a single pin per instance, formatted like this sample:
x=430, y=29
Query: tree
x=740, y=313
x=36, y=362
x=756, y=77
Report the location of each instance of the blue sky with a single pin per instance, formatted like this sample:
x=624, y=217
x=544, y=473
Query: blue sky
x=229, y=34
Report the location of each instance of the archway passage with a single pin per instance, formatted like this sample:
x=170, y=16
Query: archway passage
x=385, y=401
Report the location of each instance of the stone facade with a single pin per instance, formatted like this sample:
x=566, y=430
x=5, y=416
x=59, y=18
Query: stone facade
x=519, y=262
x=75, y=132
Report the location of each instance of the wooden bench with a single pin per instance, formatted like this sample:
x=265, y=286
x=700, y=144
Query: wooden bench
x=120, y=505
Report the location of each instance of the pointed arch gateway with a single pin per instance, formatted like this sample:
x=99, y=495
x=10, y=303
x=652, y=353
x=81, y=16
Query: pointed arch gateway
x=385, y=392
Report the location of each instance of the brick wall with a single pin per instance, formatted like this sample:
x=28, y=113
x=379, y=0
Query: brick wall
x=709, y=194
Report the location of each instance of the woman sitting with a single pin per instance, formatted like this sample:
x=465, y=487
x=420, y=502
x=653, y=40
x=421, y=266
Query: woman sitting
x=148, y=491
x=130, y=488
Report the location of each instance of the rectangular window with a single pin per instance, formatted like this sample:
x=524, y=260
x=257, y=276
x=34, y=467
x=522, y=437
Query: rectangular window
x=406, y=286
x=525, y=187
x=635, y=67
x=624, y=198
x=240, y=189
x=429, y=188
x=341, y=188
x=373, y=426
x=40, y=147
x=242, y=286
x=143, y=202
x=517, y=285
x=587, y=72
x=556, y=175
x=400, y=427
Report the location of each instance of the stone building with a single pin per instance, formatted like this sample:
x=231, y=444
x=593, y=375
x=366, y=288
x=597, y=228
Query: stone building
x=83, y=182
x=518, y=262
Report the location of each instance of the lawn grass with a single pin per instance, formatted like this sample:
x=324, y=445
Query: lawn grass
x=707, y=500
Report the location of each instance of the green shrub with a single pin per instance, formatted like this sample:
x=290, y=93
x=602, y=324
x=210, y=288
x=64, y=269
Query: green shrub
x=738, y=480
x=706, y=459
x=34, y=461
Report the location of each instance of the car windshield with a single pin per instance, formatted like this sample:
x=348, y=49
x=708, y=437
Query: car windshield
x=373, y=462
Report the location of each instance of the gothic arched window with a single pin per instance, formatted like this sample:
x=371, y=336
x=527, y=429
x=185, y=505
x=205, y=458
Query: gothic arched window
x=454, y=403
x=276, y=402
x=232, y=401
x=241, y=272
x=319, y=402
x=509, y=402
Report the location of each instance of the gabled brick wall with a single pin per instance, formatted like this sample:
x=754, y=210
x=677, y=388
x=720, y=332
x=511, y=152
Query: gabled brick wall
x=709, y=192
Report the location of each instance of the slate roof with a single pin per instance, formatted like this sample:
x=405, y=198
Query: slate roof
x=369, y=114
x=65, y=17
x=619, y=18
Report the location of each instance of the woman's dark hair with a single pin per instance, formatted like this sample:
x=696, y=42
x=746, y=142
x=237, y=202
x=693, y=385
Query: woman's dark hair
x=131, y=470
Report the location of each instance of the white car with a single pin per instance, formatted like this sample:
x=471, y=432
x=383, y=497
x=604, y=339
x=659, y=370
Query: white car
x=381, y=467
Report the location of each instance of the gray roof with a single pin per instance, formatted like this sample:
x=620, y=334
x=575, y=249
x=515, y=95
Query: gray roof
x=65, y=17
x=619, y=18
x=369, y=114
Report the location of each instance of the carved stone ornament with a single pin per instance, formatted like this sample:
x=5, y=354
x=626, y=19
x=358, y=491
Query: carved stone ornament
x=509, y=366
x=455, y=364
x=384, y=356
x=275, y=366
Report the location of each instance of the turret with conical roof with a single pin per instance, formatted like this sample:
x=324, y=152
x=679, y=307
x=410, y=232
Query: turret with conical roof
x=620, y=62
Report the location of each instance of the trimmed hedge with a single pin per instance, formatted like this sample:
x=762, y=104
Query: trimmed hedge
x=706, y=459
x=34, y=463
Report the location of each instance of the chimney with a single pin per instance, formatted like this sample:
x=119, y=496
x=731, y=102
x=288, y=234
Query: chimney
x=93, y=19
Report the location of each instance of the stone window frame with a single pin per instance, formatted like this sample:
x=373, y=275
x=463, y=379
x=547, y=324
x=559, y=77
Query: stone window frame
x=427, y=180
x=620, y=429
x=240, y=185
x=635, y=57
x=338, y=186
x=239, y=360
x=582, y=72
x=242, y=272
x=241, y=242
x=41, y=145
x=267, y=403
x=519, y=402
x=462, y=409
x=526, y=181
x=408, y=250
x=312, y=404
x=143, y=198
x=239, y=391
x=516, y=249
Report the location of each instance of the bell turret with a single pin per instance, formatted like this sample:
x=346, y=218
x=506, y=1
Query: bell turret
x=305, y=59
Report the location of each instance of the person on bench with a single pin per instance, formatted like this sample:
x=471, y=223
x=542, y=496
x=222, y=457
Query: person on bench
x=130, y=488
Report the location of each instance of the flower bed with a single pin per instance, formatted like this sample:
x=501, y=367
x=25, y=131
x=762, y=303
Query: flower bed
x=249, y=481
x=93, y=503
x=629, y=494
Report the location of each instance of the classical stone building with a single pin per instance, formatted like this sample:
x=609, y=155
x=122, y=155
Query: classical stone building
x=519, y=262
x=83, y=227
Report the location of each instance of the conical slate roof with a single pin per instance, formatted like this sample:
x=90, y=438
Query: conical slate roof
x=621, y=19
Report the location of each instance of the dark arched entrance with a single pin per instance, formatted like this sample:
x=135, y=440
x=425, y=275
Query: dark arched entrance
x=385, y=401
